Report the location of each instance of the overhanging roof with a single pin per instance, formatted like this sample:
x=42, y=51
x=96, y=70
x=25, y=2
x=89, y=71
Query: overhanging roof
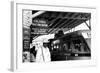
x=63, y=19
x=58, y=20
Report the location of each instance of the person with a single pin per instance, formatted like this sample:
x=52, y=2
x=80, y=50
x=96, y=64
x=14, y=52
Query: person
x=32, y=54
x=65, y=47
x=43, y=53
x=46, y=52
x=39, y=55
x=26, y=56
x=60, y=33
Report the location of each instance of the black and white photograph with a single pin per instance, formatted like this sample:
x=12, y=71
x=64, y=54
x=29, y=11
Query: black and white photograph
x=52, y=36
x=49, y=36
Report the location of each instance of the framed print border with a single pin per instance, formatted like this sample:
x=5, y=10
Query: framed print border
x=16, y=36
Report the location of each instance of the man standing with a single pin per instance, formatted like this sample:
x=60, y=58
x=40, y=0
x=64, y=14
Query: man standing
x=43, y=53
x=46, y=52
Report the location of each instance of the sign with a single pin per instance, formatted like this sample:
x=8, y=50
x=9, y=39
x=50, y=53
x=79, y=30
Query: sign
x=39, y=31
x=40, y=23
x=27, y=19
x=39, y=26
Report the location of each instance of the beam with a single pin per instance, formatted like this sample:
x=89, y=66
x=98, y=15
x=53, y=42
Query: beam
x=75, y=15
x=72, y=17
x=53, y=21
x=87, y=25
x=69, y=23
x=76, y=24
x=35, y=37
x=59, y=15
x=78, y=16
x=74, y=21
x=55, y=25
x=90, y=22
x=37, y=14
x=73, y=26
x=62, y=23
x=59, y=26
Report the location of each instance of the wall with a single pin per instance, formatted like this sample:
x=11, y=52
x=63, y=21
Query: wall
x=5, y=34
